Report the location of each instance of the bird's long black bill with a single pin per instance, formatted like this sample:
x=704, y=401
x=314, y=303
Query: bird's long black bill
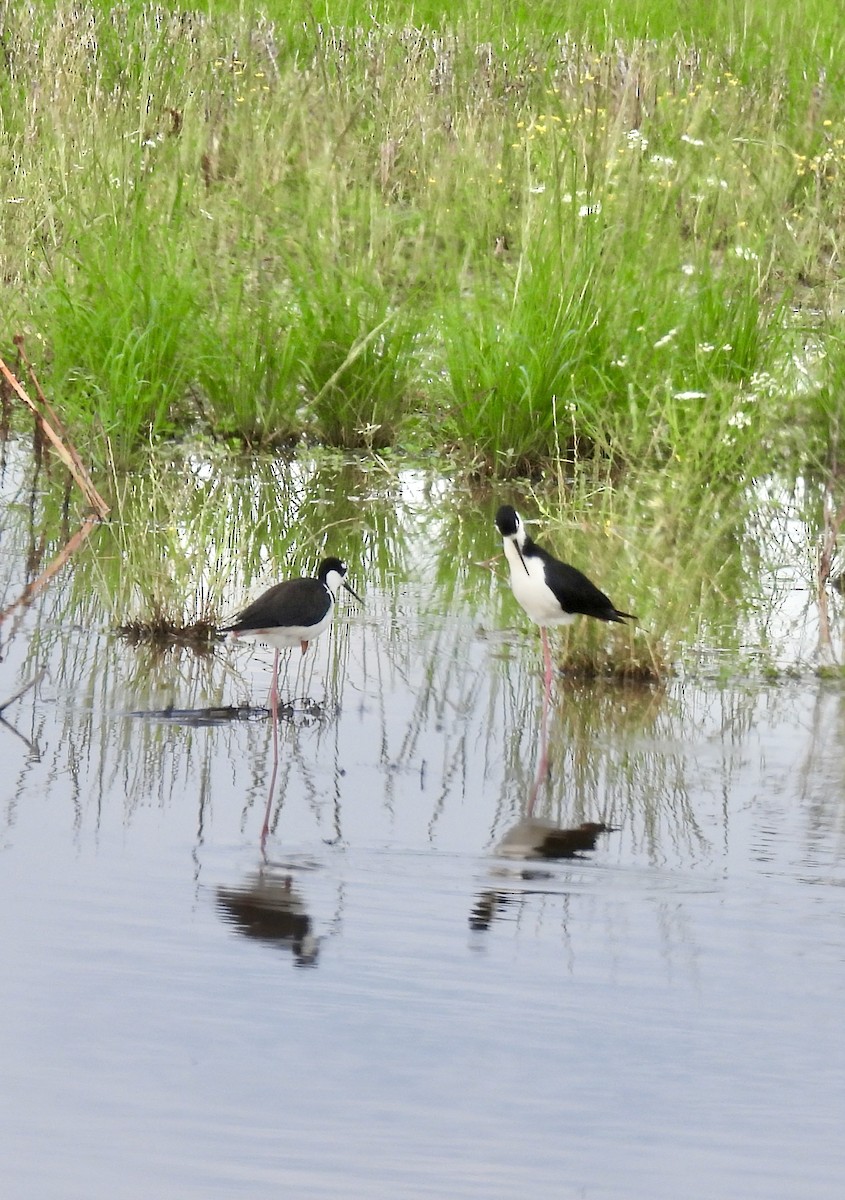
x=521, y=559
x=352, y=592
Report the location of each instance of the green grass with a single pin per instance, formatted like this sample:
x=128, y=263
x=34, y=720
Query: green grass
x=548, y=232
x=121, y=334
x=250, y=345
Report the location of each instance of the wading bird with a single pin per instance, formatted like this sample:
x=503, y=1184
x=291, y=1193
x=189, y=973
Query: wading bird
x=292, y=613
x=551, y=592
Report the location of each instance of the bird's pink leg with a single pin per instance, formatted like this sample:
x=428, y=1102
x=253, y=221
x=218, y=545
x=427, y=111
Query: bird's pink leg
x=304, y=646
x=274, y=692
x=274, y=717
x=543, y=765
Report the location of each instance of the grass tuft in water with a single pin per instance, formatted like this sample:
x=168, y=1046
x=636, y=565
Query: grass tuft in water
x=161, y=630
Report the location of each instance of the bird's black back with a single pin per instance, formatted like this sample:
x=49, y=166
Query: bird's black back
x=573, y=590
x=293, y=602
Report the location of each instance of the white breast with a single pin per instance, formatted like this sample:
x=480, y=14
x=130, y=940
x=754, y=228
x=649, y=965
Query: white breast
x=529, y=588
x=283, y=637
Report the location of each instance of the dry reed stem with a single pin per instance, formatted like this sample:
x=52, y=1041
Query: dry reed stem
x=68, y=456
x=81, y=475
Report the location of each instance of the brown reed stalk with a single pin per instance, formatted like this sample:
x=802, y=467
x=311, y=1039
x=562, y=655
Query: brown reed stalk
x=63, y=447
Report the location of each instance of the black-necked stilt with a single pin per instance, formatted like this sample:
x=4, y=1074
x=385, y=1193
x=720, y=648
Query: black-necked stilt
x=292, y=613
x=550, y=591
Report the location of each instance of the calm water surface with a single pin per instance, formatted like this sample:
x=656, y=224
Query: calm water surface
x=378, y=1005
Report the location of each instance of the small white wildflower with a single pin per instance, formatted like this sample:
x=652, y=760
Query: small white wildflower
x=763, y=382
x=727, y=348
x=637, y=139
x=590, y=210
x=662, y=160
x=685, y=137
x=566, y=198
x=622, y=361
x=688, y=268
x=739, y=420
x=706, y=347
x=690, y=395
x=571, y=406
x=666, y=339
x=151, y=142
x=537, y=189
x=16, y=200
x=746, y=253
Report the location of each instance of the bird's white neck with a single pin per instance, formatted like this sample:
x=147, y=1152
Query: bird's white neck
x=333, y=581
x=513, y=553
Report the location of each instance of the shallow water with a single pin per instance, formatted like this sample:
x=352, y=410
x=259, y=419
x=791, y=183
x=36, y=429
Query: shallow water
x=378, y=1005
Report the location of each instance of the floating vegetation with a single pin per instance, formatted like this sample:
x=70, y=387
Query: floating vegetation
x=162, y=631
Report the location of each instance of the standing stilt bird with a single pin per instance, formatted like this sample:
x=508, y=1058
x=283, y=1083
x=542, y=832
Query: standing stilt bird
x=292, y=613
x=550, y=591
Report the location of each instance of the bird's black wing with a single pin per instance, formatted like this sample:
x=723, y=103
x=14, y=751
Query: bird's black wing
x=294, y=602
x=576, y=593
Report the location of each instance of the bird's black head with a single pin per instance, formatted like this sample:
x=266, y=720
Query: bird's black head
x=331, y=572
x=328, y=565
x=507, y=521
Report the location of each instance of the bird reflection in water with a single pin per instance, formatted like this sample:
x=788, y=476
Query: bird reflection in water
x=270, y=909
x=533, y=838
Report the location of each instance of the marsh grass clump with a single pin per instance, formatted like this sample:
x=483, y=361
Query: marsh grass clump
x=357, y=367
x=162, y=630
x=120, y=335
x=637, y=662
x=250, y=349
